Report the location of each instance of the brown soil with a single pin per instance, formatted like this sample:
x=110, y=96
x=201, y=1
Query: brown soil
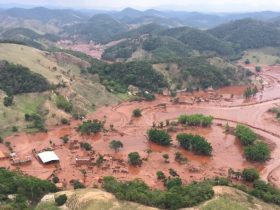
x=227, y=152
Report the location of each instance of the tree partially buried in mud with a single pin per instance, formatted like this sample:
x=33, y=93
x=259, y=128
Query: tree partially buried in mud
x=159, y=137
x=116, y=145
x=134, y=159
x=90, y=127
x=195, y=143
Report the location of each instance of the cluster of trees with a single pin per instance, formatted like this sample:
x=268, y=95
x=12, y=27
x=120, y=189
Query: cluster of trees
x=38, y=121
x=254, y=150
x=250, y=92
x=118, y=76
x=196, y=120
x=28, y=190
x=159, y=137
x=16, y=79
x=63, y=103
x=90, y=126
x=195, y=143
x=177, y=196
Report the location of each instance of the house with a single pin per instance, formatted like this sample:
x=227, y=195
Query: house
x=48, y=157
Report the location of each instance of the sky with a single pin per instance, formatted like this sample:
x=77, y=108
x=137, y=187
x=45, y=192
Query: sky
x=186, y=5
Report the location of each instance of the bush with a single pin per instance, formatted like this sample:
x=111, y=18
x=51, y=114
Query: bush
x=64, y=121
x=258, y=68
x=63, y=104
x=61, y=200
x=78, y=185
x=159, y=137
x=250, y=174
x=174, y=198
x=170, y=183
x=134, y=158
x=55, y=179
x=137, y=113
x=160, y=175
x=245, y=134
x=259, y=152
x=8, y=101
x=195, y=143
x=116, y=145
x=65, y=139
x=86, y=146
x=90, y=126
x=196, y=120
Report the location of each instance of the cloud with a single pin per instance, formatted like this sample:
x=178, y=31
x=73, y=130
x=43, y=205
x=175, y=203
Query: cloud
x=190, y=5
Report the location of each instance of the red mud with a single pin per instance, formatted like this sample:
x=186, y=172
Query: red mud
x=227, y=153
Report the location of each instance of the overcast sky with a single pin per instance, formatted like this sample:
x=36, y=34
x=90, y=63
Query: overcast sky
x=187, y=5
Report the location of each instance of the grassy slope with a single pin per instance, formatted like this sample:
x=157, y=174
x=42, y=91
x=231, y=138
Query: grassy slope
x=85, y=93
x=226, y=198
x=267, y=56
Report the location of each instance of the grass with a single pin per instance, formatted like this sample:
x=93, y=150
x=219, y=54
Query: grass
x=47, y=206
x=268, y=56
x=222, y=203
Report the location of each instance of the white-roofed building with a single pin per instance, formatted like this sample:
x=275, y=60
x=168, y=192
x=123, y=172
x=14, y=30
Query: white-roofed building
x=48, y=156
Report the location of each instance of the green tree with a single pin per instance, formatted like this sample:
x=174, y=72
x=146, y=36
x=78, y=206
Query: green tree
x=134, y=159
x=61, y=200
x=90, y=126
x=250, y=174
x=245, y=134
x=116, y=145
x=259, y=152
x=137, y=113
x=8, y=101
x=159, y=137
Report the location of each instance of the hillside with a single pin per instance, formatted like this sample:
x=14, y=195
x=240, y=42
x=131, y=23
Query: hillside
x=94, y=199
x=100, y=28
x=59, y=69
x=248, y=34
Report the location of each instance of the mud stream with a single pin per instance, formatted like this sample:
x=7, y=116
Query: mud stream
x=227, y=152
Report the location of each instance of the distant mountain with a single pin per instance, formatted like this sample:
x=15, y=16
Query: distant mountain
x=100, y=28
x=248, y=33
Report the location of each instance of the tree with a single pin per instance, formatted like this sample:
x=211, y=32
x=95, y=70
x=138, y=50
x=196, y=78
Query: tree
x=245, y=134
x=137, y=113
x=86, y=146
x=175, y=182
x=78, y=185
x=65, y=139
x=134, y=158
x=159, y=137
x=61, y=200
x=250, y=174
x=166, y=157
x=160, y=175
x=8, y=101
x=90, y=126
x=258, y=68
x=259, y=152
x=116, y=145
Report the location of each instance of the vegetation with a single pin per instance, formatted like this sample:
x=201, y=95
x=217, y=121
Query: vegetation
x=196, y=120
x=160, y=175
x=63, y=103
x=86, y=146
x=38, y=121
x=61, y=200
x=8, y=101
x=176, y=197
x=78, y=185
x=118, y=76
x=159, y=137
x=28, y=190
x=195, y=143
x=16, y=79
x=116, y=145
x=245, y=134
x=275, y=110
x=259, y=152
x=137, y=113
x=134, y=159
x=250, y=174
x=90, y=126
x=249, y=92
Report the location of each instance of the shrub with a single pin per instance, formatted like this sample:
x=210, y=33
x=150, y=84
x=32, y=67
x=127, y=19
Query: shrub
x=159, y=137
x=259, y=152
x=175, y=182
x=250, y=174
x=15, y=129
x=64, y=121
x=90, y=126
x=116, y=145
x=160, y=175
x=65, y=139
x=61, y=200
x=196, y=120
x=63, y=104
x=258, y=68
x=195, y=143
x=180, y=158
x=134, y=158
x=137, y=113
x=245, y=134
x=55, y=179
x=86, y=146
x=8, y=101
x=78, y=185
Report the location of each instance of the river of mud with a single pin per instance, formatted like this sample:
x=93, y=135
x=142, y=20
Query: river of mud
x=227, y=152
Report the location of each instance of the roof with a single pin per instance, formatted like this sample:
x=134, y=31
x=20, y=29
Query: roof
x=48, y=156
